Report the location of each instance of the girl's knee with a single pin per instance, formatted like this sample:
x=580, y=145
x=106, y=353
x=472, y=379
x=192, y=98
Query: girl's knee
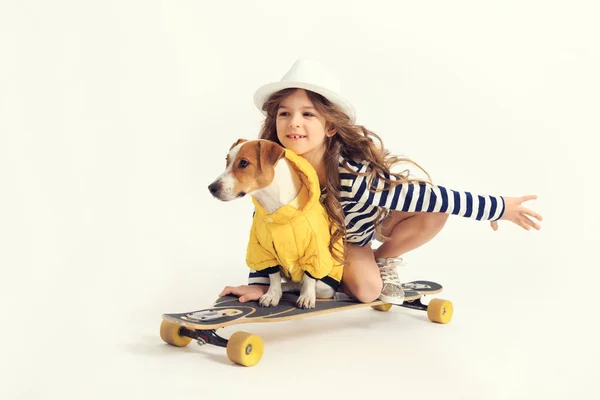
x=367, y=290
x=361, y=274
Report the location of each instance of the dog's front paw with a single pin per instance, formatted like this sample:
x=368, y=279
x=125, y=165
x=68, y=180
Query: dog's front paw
x=269, y=299
x=306, y=301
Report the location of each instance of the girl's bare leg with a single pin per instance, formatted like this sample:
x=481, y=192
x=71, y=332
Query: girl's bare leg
x=408, y=231
x=362, y=279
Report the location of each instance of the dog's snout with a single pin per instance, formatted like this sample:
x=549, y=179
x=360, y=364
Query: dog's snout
x=214, y=187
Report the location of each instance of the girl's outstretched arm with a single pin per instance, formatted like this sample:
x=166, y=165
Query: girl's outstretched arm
x=361, y=195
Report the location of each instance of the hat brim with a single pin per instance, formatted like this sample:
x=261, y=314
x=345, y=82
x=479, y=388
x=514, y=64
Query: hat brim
x=264, y=92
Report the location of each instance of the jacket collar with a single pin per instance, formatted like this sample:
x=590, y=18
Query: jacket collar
x=310, y=181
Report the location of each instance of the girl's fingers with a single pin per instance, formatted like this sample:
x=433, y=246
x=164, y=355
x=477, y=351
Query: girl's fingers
x=531, y=213
x=225, y=291
x=249, y=297
x=230, y=290
x=494, y=225
x=530, y=222
x=524, y=223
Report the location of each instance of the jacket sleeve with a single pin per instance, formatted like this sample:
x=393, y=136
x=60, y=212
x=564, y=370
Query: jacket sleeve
x=257, y=257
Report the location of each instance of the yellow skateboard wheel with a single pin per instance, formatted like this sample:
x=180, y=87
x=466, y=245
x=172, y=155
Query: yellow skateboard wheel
x=440, y=311
x=245, y=348
x=382, y=307
x=169, y=332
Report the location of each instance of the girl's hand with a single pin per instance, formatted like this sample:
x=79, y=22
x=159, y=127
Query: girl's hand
x=515, y=212
x=245, y=292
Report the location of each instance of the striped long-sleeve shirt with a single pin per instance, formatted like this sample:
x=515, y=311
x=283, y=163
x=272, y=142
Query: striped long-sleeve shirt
x=361, y=205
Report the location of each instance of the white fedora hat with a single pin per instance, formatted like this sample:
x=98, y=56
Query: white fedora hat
x=308, y=75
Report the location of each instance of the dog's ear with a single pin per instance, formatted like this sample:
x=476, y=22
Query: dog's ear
x=269, y=153
x=238, y=142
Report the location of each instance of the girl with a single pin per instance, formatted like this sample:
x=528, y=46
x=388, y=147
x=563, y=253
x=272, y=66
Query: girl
x=304, y=112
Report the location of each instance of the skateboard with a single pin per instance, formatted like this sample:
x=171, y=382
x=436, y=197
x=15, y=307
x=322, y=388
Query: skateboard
x=247, y=349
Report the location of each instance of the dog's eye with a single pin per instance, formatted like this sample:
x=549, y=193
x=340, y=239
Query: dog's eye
x=243, y=164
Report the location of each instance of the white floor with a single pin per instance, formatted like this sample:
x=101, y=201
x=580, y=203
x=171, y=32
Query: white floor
x=521, y=328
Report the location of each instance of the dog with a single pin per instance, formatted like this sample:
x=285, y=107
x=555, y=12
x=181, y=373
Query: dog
x=290, y=229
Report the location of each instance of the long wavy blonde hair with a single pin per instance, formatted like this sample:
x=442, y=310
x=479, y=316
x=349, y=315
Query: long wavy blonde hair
x=349, y=141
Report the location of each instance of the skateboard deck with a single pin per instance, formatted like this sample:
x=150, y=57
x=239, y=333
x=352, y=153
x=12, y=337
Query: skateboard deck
x=180, y=328
x=228, y=310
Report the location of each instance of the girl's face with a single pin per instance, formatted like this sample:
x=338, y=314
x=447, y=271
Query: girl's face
x=300, y=127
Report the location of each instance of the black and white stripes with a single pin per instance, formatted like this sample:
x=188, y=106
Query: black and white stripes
x=361, y=206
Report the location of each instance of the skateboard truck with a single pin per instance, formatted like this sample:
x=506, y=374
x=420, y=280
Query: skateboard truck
x=415, y=305
x=242, y=348
x=204, y=337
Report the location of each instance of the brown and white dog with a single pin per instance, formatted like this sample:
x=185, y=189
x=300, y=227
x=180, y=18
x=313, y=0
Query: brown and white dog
x=259, y=168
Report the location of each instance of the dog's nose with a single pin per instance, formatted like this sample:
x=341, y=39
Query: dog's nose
x=214, y=187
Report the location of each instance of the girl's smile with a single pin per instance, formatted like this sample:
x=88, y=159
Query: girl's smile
x=294, y=136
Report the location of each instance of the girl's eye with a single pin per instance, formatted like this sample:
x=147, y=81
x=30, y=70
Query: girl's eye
x=283, y=114
x=308, y=115
x=243, y=164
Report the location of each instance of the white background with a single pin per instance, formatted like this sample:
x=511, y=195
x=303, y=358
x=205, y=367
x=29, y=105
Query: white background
x=116, y=115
